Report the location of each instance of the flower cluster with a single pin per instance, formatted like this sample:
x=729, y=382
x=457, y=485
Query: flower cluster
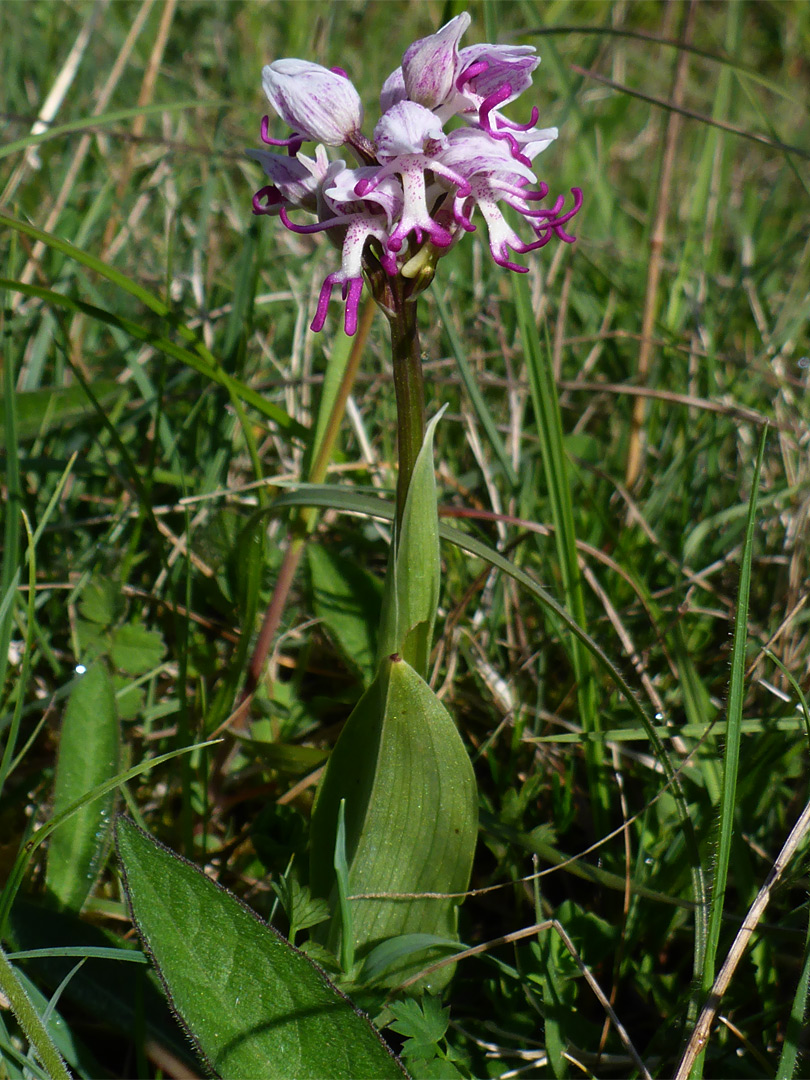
x=416, y=186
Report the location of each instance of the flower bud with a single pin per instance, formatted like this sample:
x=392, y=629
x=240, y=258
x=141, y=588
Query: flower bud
x=430, y=65
x=316, y=103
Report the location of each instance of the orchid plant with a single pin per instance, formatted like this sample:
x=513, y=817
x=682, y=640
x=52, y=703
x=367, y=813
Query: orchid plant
x=410, y=197
x=394, y=826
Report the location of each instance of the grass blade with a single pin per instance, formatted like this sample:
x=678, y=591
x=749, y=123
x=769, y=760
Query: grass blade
x=24, y=856
x=30, y=1021
x=555, y=466
x=13, y=503
x=208, y=368
x=58, y=131
x=796, y=1022
x=731, y=760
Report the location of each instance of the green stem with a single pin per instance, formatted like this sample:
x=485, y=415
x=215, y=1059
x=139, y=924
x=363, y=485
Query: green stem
x=30, y=1021
x=410, y=392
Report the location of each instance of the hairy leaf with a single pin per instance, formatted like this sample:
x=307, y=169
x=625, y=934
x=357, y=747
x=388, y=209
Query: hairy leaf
x=254, y=1005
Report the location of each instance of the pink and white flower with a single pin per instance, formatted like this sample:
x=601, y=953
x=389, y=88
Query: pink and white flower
x=416, y=186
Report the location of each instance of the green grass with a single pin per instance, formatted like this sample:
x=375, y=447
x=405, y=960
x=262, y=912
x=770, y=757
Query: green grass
x=159, y=390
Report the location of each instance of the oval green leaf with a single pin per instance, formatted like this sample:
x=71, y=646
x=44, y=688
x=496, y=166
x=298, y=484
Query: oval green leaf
x=253, y=1004
x=89, y=748
x=411, y=819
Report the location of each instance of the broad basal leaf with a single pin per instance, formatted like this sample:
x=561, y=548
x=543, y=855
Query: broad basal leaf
x=254, y=1005
x=411, y=818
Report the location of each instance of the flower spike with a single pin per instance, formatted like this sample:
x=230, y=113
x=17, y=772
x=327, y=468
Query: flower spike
x=416, y=186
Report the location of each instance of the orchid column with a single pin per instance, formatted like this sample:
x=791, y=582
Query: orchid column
x=397, y=809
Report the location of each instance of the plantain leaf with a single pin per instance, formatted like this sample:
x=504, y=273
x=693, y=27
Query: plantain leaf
x=89, y=747
x=254, y=1005
x=411, y=595
x=411, y=819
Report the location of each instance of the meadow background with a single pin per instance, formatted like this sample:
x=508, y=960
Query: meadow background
x=668, y=337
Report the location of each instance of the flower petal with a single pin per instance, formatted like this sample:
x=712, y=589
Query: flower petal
x=430, y=66
x=404, y=129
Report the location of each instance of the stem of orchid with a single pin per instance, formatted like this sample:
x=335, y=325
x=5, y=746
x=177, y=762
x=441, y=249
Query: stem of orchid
x=410, y=393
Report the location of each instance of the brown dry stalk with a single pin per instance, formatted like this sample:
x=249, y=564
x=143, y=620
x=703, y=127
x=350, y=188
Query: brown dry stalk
x=635, y=452
x=69, y=183
x=139, y=123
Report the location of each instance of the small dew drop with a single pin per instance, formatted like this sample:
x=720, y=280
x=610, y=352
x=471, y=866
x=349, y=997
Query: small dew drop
x=804, y=362
x=80, y=669
x=659, y=716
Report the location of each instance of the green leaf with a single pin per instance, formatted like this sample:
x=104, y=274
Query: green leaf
x=287, y=758
x=343, y=499
x=425, y=1020
x=101, y=602
x=129, y=698
x=411, y=819
x=436, y=1069
x=135, y=649
x=300, y=907
x=88, y=756
x=27, y=850
x=390, y=952
x=347, y=598
x=411, y=595
x=254, y=1005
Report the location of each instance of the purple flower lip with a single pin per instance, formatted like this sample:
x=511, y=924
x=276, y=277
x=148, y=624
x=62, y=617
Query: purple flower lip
x=417, y=186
